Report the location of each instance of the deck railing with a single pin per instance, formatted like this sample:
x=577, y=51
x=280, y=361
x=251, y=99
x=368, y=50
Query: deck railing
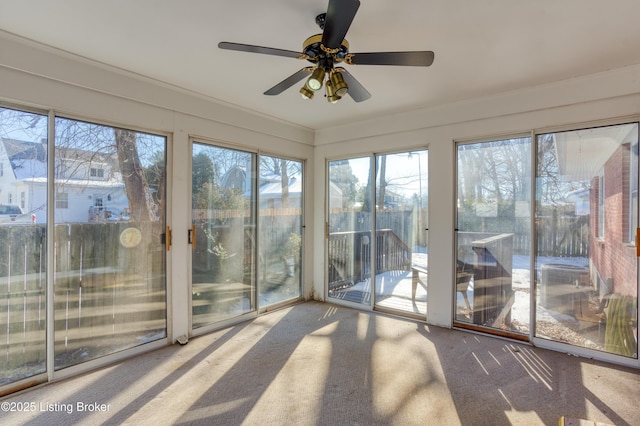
x=350, y=256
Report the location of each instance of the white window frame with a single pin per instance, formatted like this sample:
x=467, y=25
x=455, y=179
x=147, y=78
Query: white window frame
x=601, y=209
x=633, y=190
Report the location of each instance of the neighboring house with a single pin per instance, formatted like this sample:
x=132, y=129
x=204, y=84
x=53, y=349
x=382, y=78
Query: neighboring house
x=237, y=178
x=270, y=191
x=84, y=179
x=393, y=200
x=336, y=198
x=611, y=202
x=613, y=222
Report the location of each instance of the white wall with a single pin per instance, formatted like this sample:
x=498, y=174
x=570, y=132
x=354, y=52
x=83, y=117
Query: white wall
x=587, y=99
x=39, y=77
x=32, y=75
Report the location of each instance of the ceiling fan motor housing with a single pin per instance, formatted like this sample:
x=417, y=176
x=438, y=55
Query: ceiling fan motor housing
x=312, y=47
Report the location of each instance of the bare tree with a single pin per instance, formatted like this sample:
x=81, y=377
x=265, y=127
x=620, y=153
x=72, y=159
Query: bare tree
x=382, y=173
x=135, y=182
x=284, y=183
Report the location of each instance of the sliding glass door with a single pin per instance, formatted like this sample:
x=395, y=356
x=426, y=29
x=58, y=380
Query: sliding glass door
x=377, y=231
x=401, y=232
x=280, y=228
x=579, y=286
x=90, y=281
x=223, y=234
x=23, y=255
x=110, y=281
x=492, y=267
x=247, y=232
x=349, y=230
x=586, y=223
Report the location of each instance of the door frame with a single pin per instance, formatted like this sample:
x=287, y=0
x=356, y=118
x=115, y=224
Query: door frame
x=373, y=194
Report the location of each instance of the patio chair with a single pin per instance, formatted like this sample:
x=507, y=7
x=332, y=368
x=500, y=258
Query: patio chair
x=464, y=273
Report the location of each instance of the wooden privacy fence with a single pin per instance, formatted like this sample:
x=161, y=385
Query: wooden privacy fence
x=102, y=289
x=559, y=235
x=227, y=249
x=350, y=254
x=556, y=235
x=22, y=298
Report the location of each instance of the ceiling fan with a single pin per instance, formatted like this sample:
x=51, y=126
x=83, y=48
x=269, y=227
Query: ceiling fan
x=325, y=51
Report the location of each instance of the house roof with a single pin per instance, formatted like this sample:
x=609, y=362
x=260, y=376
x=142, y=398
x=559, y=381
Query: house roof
x=29, y=160
x=19, y=150
x=275, y=187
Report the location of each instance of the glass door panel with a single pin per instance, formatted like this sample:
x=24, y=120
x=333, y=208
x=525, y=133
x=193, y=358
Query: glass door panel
x=280, y=223
x=23, y=266
x=110, y=280
x=223, y=234
x=349, y=230
x=401, y=238
x=586, y=220
x=492, y=276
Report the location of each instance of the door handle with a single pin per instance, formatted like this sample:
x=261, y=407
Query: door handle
x=192, y=237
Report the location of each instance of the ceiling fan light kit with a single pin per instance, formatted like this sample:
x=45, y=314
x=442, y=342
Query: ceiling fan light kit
x=326, y=50
x=337, y=81
x=306, y=92
x=317, y=77
x=331, y=94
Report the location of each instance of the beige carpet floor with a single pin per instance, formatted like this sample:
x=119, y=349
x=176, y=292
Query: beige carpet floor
x=319, y=364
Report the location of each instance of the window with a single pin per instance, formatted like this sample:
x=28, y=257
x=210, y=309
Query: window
x=585, y=186
x=493, y=235
x=234, y=269
x=23, y=286
x=280, y=192
x=62, y=200
x=95, y=172
x=121, y=304
x=377, y=231
x=224, y=231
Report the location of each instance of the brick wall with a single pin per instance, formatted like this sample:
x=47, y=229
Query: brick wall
x=614, y=256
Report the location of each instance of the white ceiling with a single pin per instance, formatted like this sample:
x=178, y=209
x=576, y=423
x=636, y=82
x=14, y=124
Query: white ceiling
x=481, y=47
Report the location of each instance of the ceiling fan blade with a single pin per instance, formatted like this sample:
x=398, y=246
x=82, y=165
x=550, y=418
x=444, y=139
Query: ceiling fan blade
x=258, y=49
x=356, y=90
x=340, y=14
x=288, y=82
x=414, y=59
